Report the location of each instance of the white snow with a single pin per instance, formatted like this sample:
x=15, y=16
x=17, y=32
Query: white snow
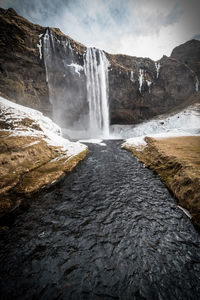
x=141, y=78
x=40, y=45
x=77, y=68
x=31, y=144
x=149, y=83
x=132, y=77
x=186, y=212
x=13, y=113
x=157, y=65
x=70, y=47
x=93, y=141
x=184, y=123
x=137, y=142
x=197, y=84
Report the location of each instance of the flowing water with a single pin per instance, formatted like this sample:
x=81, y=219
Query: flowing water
x=96, y=69
x=78, y=86
x=109, y=230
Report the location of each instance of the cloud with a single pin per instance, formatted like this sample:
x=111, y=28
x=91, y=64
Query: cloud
x=135, y=27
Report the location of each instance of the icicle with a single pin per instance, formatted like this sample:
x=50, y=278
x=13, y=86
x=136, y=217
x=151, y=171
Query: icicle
x=141, y=77
x=96, y=70
x=70, y=47
x=157, y=65
x=149, y=83
x=197, y=84
x=132, y=77
x=39, y=45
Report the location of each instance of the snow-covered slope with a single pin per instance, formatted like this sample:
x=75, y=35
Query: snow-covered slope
x=40, y=126
x=184, y=123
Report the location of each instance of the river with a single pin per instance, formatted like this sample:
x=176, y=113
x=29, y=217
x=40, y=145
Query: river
x=109, y=230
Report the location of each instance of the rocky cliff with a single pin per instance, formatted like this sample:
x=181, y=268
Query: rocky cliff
x=141, y=88
x=189, y=53
x=45, y=69
x=22, y=74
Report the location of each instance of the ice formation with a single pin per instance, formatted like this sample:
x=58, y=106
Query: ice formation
x=149, y=83
x=39, y=45
x=132, y=77
x=141, y=78
x=157, y=65
x=197, y=84
x=77, y=68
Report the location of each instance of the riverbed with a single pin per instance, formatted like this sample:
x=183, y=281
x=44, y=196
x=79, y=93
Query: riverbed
x=109, y=230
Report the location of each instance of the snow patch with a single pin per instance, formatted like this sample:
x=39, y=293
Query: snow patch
x=137, y=142
x=184, y=123
x=77, y=68
x=40, y=46
x=186, y=212
x=70, y=47
x=197, y=84
x=31, y=144
x=141, y=78
x=13, y=113
x=157, y=65
x=132, y=77
x=93, y=141
x=149, y=83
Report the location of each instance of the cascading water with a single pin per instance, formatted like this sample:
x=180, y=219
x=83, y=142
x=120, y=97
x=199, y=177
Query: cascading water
x=96, y=71
x=78, y=86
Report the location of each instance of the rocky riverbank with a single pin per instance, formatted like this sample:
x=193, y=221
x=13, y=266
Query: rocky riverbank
x=177, y=161
x=33, y=154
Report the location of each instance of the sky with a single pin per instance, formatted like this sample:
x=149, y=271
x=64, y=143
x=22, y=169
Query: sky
x=144, y=28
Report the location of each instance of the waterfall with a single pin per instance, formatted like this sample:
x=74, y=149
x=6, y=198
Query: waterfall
x=78, y=86
x=96, y=71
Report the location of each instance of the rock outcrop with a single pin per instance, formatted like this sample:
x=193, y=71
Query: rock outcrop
x=141, y=88
x=43, y=68
x=189, y=53
x=22, y=74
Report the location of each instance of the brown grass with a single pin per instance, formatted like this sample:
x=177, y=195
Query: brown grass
x=26, y=167
x=177, y=162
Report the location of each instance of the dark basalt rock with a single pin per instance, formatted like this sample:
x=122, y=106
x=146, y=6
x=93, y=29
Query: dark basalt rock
x=22, y=74
x=170, y=87
x=189, y=53
x=137, y=90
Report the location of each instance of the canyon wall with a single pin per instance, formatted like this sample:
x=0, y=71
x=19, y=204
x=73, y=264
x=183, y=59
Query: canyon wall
x=45, y=69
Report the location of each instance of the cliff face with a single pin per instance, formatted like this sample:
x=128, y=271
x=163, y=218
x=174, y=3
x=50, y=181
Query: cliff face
x=22, y=74
x=141, y=88
x=189, y=53
x=45, y=69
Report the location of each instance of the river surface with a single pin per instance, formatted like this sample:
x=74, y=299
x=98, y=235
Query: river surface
x=109, y=230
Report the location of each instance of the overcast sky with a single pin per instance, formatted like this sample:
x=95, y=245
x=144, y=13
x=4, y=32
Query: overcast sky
x=147, y=28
